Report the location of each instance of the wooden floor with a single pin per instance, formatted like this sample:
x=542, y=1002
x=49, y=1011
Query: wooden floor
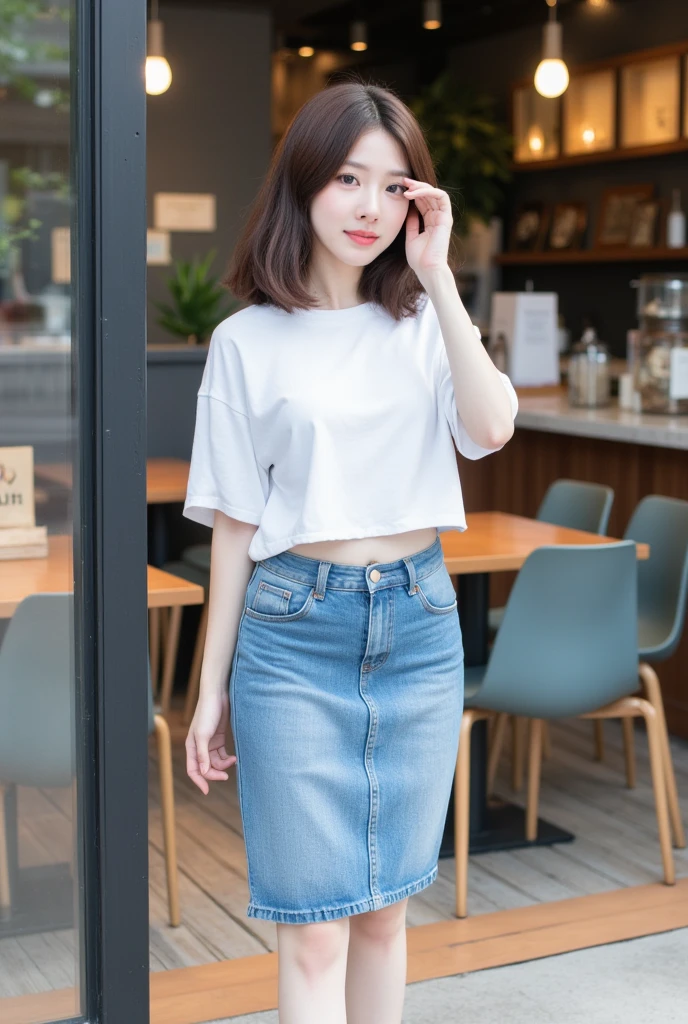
x=615, y=847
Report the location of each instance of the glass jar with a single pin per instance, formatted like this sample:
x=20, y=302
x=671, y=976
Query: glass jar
x=589, y=372
x=661, y=371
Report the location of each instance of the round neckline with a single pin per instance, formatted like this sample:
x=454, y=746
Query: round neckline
x=346, y=313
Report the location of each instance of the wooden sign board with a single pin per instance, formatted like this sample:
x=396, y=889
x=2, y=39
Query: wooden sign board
x=17, y=503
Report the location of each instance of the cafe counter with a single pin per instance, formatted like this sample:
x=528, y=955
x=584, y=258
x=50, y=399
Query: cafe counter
x=634, y=453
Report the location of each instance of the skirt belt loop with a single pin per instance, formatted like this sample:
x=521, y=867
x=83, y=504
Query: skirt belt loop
x=321, y=582
x=408, y=562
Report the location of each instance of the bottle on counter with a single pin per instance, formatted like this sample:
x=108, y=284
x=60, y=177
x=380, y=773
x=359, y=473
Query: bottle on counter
x=589, y=371
x=676, y=223
x=497, y=351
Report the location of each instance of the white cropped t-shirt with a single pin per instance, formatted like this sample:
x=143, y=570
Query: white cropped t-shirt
x=328, y=424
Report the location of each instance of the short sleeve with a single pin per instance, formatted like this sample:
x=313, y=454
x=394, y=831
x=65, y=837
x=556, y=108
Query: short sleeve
x=447, y=402
x=224, y=473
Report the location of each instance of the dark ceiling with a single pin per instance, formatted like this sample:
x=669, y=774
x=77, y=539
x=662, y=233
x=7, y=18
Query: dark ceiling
x=394, y=26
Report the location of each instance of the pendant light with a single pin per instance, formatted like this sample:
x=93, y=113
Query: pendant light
x=358, y=35
x=158, y=71
x=551, y=75
x=432, y=14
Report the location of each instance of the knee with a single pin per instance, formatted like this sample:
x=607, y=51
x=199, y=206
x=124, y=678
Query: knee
x=381, y=926
x=314, y=948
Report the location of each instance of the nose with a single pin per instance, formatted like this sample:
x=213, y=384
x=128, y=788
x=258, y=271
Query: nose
x=369, y=204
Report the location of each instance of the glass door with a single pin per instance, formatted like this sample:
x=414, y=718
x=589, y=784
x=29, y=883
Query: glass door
x=73, y=604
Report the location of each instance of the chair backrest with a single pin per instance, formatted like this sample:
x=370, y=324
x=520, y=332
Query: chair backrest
x=663, y=577
x=37, y=693
x=37, y=704
x=579, y=505
x=568, y=640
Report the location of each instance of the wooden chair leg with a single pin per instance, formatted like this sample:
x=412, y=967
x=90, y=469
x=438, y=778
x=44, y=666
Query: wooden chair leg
x=599, y=740
x=653, y=692
x=170, y=660
x=154, y=646
x=534, y=767
x=546, y=742
x=517, y=729
x=5, y=888
x=640, y=706
x=462, y=785
x=162, y=735
x=654, y=740
x=629, y=750
x=196, y=664
x=498, y=730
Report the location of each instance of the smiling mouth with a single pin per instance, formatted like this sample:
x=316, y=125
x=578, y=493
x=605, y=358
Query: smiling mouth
x=361, y=236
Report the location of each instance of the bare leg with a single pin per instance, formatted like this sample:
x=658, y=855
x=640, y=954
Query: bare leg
x=311, y=972
x=376, y=967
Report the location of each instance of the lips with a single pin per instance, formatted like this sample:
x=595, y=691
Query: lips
x=362, y=237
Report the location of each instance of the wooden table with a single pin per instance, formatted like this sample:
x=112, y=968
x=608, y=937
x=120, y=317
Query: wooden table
x=166, y=481
x=496, y=542
x=23, y=576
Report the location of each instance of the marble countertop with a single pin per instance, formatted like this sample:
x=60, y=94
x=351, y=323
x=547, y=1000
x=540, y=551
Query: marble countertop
x=548, y=409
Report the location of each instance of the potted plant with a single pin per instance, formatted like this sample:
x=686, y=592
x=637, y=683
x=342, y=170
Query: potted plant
x=471, y=148
x=195, y=310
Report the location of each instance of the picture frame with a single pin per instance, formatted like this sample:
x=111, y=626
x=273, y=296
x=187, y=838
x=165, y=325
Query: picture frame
x=617, y=210
x=567, y=226
x=648, y=217
x=529, y=227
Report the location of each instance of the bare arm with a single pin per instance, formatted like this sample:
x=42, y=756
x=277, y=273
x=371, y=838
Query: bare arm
x=230, y=570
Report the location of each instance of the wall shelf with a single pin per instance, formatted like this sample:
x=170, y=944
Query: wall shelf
x=603, y=156
x=610, y=255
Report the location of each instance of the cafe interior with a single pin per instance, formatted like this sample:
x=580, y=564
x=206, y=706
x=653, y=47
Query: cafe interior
x=560, y=131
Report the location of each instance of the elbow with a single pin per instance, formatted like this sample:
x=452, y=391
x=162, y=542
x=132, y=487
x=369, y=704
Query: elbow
x=498, y=436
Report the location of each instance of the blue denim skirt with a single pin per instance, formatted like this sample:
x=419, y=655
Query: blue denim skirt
x=346, y=696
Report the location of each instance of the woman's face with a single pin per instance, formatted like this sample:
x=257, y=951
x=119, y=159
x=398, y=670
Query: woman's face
x=366, y=195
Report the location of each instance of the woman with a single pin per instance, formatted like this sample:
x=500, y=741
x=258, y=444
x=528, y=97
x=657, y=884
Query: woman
x=324, y=458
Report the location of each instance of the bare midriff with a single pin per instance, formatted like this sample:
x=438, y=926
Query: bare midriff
x=364, y=550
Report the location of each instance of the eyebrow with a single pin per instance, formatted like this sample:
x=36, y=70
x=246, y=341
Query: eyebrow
x=353, y=163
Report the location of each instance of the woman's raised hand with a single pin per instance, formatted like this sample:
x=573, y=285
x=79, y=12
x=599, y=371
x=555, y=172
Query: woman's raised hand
x=206, y=753
x=427, y=250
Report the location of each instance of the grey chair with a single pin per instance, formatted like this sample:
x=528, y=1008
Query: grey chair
x=196, y=574
x=567, y=647
x=573, y=503
x=37, y=719
x=662, y=523
x=580, y=506
x=197, y=555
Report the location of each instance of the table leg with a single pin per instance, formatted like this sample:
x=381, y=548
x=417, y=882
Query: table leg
x=158, y=535
x=171, y=645
x=495, y=824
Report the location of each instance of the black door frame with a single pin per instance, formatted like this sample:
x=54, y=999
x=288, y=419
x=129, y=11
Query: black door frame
x=108, y=259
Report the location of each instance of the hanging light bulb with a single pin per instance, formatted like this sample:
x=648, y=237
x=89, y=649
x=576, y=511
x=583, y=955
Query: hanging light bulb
x=551, y=75
x=432, y=14
x=358, y=35
x=158, y=71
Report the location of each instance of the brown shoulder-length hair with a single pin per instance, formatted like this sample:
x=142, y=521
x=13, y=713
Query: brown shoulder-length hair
x=270, y=261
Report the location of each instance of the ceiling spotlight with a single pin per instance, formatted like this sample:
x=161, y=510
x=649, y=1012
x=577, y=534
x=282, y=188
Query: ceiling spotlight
x=551, y=75
x=358, y=35
x=432, y=14
x=306, y=51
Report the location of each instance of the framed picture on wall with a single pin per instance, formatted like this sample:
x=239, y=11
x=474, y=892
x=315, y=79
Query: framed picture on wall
x=567, y=227
x=647, y=217
x=617, y=212
x=529, y=228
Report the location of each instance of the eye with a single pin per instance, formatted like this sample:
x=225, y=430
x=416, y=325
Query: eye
x=340, y=176
x=399, y=185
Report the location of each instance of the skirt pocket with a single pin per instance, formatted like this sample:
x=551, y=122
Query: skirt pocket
x=274, y=598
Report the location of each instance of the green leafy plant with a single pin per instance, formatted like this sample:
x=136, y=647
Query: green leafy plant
x=471, y=148
x=196, y=295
